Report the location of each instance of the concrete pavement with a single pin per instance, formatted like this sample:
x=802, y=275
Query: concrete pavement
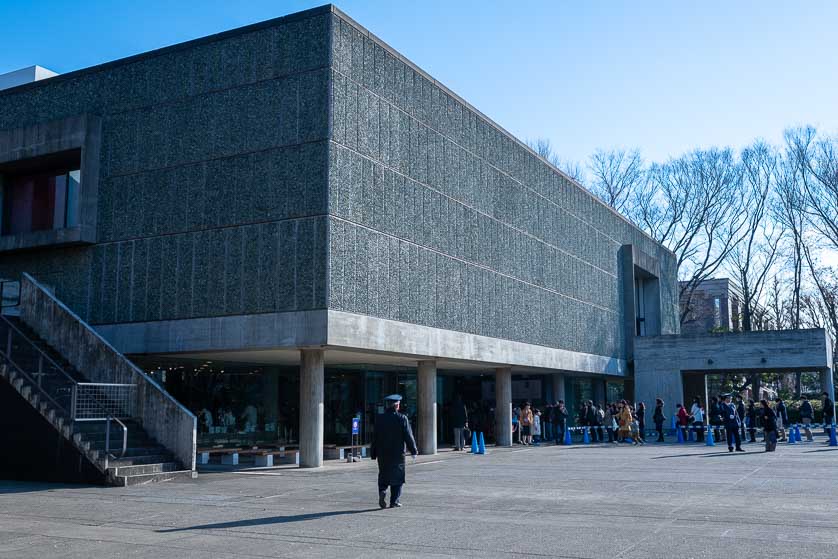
x=581, y=501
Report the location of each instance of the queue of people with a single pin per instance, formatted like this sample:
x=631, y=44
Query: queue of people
x=730, y=417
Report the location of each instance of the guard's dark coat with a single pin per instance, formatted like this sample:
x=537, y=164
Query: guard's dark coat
x=392, y=434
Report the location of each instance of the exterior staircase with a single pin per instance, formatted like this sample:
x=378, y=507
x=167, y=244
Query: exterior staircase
x=104, y=421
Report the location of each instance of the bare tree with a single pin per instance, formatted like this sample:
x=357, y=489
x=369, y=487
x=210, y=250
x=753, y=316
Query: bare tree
x=753, y=258
x=544, y=148
x=615, y=175
x=789, y=209
x=692, y=205
x=817, y=163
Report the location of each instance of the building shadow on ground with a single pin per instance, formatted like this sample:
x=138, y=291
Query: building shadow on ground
x=268, y=520
x=11, y=486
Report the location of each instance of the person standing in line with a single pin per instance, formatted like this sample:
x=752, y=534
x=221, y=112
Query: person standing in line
x=516, y=426
x=625, y=422
x=459, y=422
x=828, y=413
x=751, y=418
x=640, y=415
x=658, y=417
x=600, y=419
x=782, y=418
x=611, y=425
x=560, y=421
x=526, y=425
x=741, y=412
x=547, y=423
x=807, y=414
x=715, y=417
x=683, y=420
x=769, y=426
x=592, y=419
x=731, y=423
x=698, y=422
x=392, y=435
x=536, y=427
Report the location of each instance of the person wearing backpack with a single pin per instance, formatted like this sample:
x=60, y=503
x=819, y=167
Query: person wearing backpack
x=782, y=418
x=807, y=414
x=658, y=417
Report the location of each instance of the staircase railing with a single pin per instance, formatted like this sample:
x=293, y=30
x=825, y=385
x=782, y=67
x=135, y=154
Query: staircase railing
x=162, y=417
x=75, y=401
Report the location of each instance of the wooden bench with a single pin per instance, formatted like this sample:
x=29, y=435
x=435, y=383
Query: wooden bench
x=333, y=452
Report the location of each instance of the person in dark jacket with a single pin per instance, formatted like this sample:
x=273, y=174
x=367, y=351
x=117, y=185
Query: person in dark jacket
x=592, y=419
x=658, y=417
x=731, y=423
x=715, y=417
x=782, y=418
x=640, y=414
x=828, y=413
x=459, y=421
x=560, y=415
x=807, y=415
x=751, y=418
x=392, y=434
x=769, y=425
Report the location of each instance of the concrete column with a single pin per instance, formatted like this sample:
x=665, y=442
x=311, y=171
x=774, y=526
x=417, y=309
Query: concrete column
x=558, y=387
x=503, y=406
x=426, y=404
x=311, y=408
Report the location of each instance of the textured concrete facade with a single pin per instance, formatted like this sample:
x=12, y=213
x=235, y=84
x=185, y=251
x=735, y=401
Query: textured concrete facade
x=302, y=165
x=212, y=186
x=438, y=217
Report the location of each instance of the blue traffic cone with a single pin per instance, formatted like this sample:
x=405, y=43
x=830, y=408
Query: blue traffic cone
x=680, y=434
x=792, y=438
x=674, y=426
x=710, y=441
x=797, y=433
x=481, y=448
x=586, y=439
x=832, y=440
x=473, y=442
x=568, y=439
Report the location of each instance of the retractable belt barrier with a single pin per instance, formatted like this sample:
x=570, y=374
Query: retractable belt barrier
x=793, y=430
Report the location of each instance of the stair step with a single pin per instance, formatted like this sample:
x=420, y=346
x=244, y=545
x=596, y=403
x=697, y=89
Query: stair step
x=125, y=481
x=144, y=469
x=141, y=460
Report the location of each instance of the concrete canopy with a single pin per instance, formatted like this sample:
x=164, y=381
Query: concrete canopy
x=661, y=360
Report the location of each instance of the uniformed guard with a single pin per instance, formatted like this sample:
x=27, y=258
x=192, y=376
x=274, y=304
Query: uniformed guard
x=392, y=434
x=732, y=424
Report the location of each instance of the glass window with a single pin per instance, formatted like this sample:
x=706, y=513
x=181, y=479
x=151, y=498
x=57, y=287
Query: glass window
x=40, y=200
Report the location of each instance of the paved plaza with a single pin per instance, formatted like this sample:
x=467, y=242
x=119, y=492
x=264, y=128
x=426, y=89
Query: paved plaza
x=581, y=501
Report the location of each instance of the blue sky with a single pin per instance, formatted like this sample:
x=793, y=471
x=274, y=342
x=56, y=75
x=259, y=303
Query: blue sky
x=661, y=76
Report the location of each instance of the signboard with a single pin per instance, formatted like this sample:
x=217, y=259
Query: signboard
x=356, y=425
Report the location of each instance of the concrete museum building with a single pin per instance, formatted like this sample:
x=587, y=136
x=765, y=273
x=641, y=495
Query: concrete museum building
x=282, y=223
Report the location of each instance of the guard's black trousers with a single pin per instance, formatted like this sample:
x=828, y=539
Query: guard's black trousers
x=395, y=492
x=733, y=438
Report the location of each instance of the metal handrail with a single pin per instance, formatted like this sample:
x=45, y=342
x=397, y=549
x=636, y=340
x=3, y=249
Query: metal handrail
x=74, y=389
x=41, y=353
